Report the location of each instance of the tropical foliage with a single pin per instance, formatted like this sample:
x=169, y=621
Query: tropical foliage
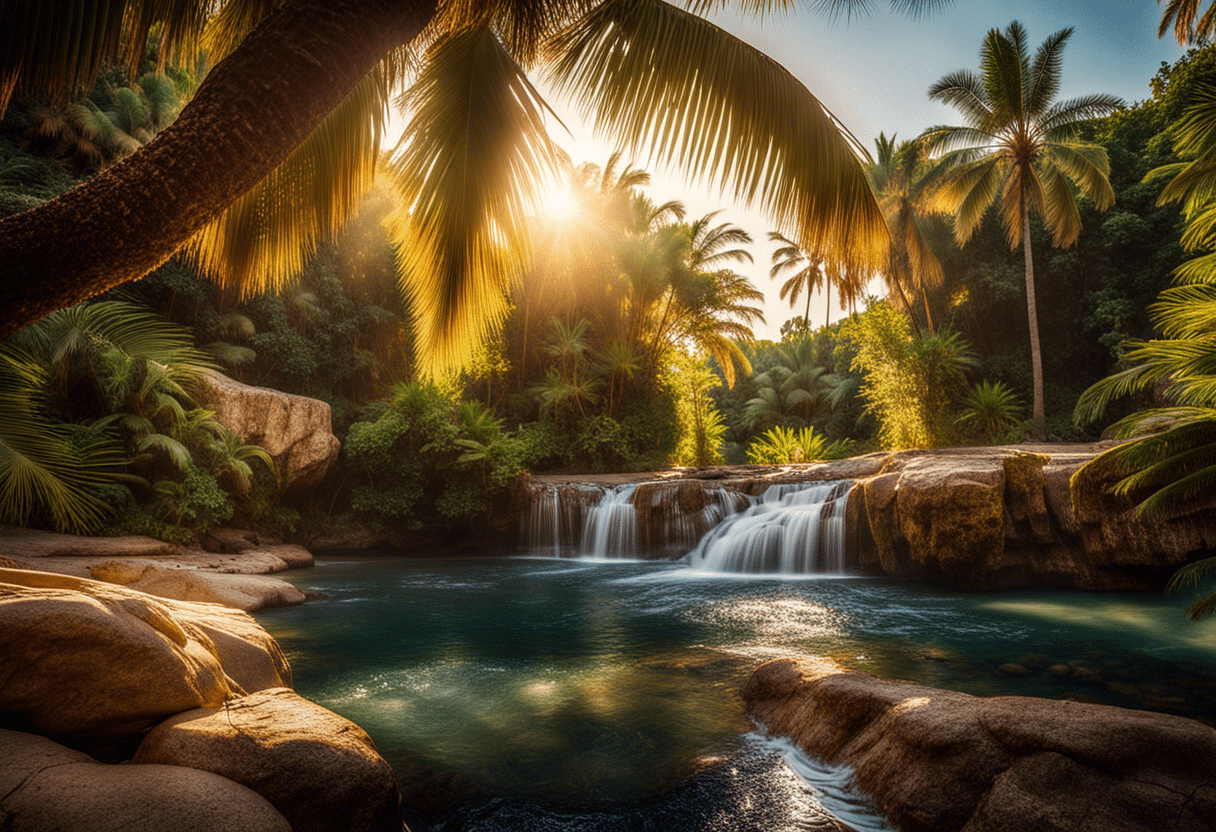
x=102, y=420
x=781, y=446
x=910, y=384
x=744, y=124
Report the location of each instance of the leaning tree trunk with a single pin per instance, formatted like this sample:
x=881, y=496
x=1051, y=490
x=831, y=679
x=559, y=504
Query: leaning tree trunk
x=1036, y=352
x=248, y=115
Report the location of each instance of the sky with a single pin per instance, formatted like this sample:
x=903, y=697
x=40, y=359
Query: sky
x=873, y=73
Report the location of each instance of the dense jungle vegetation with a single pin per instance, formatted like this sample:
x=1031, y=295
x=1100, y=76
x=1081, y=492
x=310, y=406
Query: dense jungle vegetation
x=626, y=345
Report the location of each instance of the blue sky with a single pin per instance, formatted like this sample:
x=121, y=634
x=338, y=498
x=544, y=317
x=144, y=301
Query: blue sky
x=873, y=73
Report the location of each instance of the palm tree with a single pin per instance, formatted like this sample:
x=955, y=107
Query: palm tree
x=1189, y=26
x=899, y=180
x=475, y=154
x=1019, y=149
x=810, y=277
x=792, y=391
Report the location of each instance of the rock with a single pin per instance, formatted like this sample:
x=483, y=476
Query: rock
x=45, y=787
x=1012, y=669
x=77, y=664
x=240, y=591
x=321, y=771
x=296, y=431
x=29, y=543
x=250, y=657
x=939, y=760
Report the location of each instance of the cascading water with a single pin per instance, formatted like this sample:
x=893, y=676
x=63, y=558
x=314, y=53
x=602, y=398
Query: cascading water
x=553, y=524
x=794, y=529
x=611, y=526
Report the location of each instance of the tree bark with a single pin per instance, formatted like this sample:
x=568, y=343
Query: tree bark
x=1036, y=353
x=248, y=115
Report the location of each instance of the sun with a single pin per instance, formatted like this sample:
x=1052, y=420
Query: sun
x=557, y=203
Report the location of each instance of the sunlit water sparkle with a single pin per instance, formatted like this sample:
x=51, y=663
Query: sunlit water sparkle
x=533, y=694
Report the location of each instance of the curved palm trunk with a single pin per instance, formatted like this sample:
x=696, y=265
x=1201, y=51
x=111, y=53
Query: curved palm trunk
x=1036, y=353
x=806, y=315
x=924, y=294
x=251, y=111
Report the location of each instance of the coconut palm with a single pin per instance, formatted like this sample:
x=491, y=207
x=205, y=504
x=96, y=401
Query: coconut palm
x=898, y=175
x=474, y=158
x=1019, y=149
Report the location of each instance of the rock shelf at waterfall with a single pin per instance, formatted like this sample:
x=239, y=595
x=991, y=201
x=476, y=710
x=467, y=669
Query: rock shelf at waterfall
x=795, y=528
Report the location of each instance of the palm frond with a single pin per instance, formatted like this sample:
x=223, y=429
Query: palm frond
x=57, y=47
x=469, y=176
x=964, y=90
x=1043, y=80
x=660, y=78
x=264, y=238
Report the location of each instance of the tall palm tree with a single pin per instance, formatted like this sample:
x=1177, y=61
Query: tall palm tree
x=898, y=174
x=809, y=277
x=475, y=157
x=1019, y=149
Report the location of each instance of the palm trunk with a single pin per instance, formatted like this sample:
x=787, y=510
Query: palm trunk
x=827, y=318
x=806, y=315
x=1036, y=353
x=249, y=114
x=928, y=317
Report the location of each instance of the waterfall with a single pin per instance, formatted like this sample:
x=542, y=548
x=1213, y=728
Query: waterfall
x=793, y=530
x=611, y=527
x=553, y=523
x=790, y=529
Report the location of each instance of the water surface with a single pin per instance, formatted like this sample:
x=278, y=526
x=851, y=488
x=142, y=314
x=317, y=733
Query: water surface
x=537, y=694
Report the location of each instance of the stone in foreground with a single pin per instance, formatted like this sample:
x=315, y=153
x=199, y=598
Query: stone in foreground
x=45, y=787
x=321, y=771
x=940, y=761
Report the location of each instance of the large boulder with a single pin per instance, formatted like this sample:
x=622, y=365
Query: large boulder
x=45, y=787
x=296, y=431
x=249, y=656
x=940, y=761
x=320, y=770
x=238, y=590
x=78, y=664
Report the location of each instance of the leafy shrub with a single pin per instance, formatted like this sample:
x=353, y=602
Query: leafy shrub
x=781, y=446
x=909, y=384
x=429, y=462
x=990, y=409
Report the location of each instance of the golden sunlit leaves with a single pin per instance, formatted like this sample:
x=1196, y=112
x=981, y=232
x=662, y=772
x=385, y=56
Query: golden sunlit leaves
x=471, y=170
x=265, y=237
x=662, y=80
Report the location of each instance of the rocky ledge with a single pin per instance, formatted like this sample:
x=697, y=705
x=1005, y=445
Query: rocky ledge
x=939, y=761
x=975, y=518
x=194, y=699
x=234, y=573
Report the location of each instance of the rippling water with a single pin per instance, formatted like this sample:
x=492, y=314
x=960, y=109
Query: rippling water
x=531, y=694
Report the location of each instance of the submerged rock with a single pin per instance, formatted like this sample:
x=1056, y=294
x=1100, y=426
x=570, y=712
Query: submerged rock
x=45, y=787
x=320, y=770
x=940, y=761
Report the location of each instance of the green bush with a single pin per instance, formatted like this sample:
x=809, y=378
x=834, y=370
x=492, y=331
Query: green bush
x=429, y=462
x=781, y=446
